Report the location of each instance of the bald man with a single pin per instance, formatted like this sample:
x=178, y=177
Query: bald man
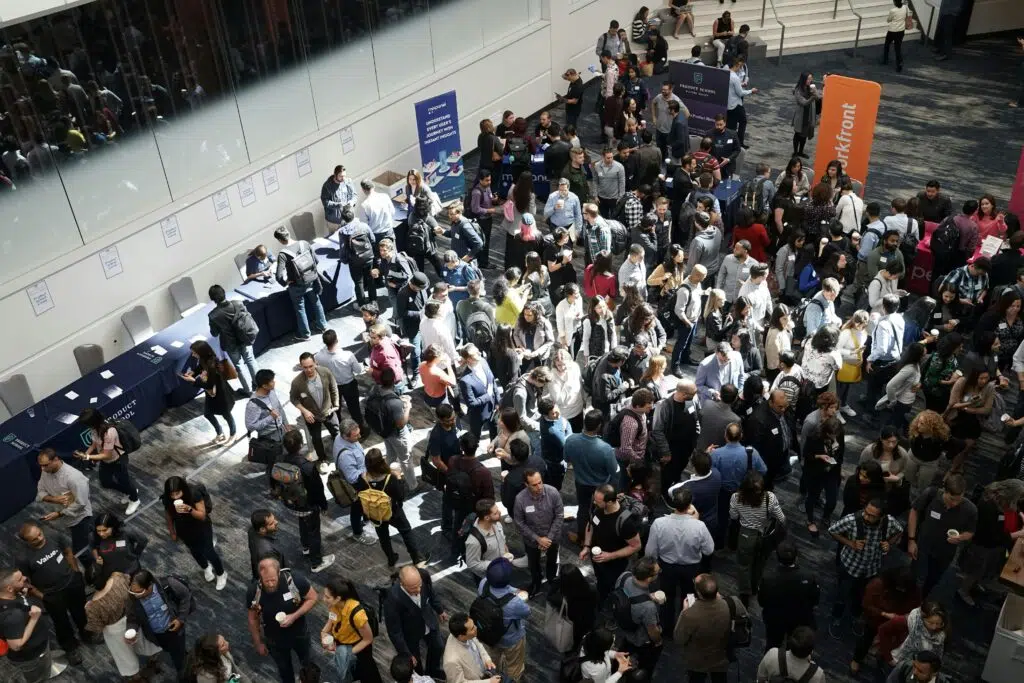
x=413, y=615
x=770, y=430
x=675, y=431
x=274, y=591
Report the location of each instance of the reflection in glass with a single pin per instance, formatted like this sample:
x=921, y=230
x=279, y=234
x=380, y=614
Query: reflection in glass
x=452, y=36
x=503, y=18
x=401, y=43
x=341, y=62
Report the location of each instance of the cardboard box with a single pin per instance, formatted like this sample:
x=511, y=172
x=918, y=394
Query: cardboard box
x=390, y=183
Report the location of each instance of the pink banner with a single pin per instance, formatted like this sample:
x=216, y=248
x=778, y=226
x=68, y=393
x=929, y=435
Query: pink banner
x=1017, y=193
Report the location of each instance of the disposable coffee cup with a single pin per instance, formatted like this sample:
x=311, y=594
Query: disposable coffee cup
x=952, y=533
x=658, y=597
x=327, y=640
x=280, y=616
x=595, y=551
x=509, y=556
x=130, y=634
x=934, y=333
x=524, y=595
x=179, y=505
x=1005, y=417
x=396, y=468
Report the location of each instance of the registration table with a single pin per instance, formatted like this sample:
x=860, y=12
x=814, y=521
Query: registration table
x=541, y=184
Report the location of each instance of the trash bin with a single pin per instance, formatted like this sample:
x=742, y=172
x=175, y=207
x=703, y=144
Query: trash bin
x=1005, y=662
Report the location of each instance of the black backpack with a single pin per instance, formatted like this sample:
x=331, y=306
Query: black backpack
x=301, y=265
x=289, y=484
x=360, y=248
x=622, y=605
x=128, y=435
x=799, y=325
x=467, y=529
x=783, y=675
x=613, y=432
x=620, y=237
x=417, y=241
x=245, y=327
x=753, y=198
x=908, y=243
x=376, y=411
x=732, y=48
x=480, y=329
x=518, y=150
x=619, y=212
x=459, y=487
x=740, y=627
x=587, y=376
x=488, y=613
x=946, y=238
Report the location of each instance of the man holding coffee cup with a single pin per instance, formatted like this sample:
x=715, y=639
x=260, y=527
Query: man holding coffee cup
x=159, y=610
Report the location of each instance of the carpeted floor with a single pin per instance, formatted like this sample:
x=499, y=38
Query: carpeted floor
x=947, y=121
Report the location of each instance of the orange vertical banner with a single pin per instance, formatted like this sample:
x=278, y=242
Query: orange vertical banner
x=847, y=126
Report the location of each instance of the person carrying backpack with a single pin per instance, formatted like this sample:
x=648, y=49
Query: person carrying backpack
x=387, y=413
x=179, y=602
x=710, y=628
x=297, y=271
x=792, y=664
x=233, y=324
x=299, y=487
x=112, y=441
x=421, y=236
x=382, y=493
x=635, y=612
x=501, y=614
x=357, y=250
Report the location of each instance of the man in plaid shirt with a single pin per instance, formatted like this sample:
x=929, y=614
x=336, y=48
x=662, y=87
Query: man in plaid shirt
x=971, y=281
x=634, y=206
x=866, y=537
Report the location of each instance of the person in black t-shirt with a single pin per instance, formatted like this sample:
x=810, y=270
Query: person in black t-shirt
x=115, y=548
x=25, y=627
x=573, y=97
x=316, y=503
x=613, y=534
x=279, y=600
x=53, y=570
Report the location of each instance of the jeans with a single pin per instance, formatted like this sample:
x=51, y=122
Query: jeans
x=350, y=393
x=115, y=475
x=399, y=449
x=64, y=606
x=894, y=38
x=401, y=524
x=684, y=339
x=362, y=281
x=309, y=534
x=36, y=670
x=662, y=142
x=304, y=296
x=483, y=257
x=676, y=581
x=944, y=34
x=237, y=357
x=316, y=435
x=849, y=591
x=203, y=551
x=533, y=557
x=931, y=569
x=736, y=119
x=281, y=653
x=829, y=483
x=211, y=415
x=413, y=362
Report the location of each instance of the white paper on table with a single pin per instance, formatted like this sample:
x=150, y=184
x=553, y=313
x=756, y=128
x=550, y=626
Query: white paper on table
x=177, y=344
x=106, y=374
x=113, y=391
x=221, y=204
x=990, y=246
x=39, y=296
x=159, y=350
x=246, y=191
x=196, y=338
x=71, y=395
x=93, y=400
x=67, y=418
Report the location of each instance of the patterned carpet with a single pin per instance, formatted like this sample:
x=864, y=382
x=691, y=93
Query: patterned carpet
x=970, y=140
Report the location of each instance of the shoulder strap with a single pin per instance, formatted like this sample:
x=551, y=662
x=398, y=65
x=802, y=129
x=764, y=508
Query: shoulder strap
x=352, y=616
x=812, y=669
x=783, y=666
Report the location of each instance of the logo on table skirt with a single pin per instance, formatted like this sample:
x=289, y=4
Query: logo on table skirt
x=12, y=440
x=85, y=436
x=698, y=78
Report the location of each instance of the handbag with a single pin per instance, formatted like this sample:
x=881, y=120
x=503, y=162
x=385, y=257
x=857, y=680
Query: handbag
x=909, y=21
x=774, y=533
x=227, y=369
x=558, y=629
x=850, y=373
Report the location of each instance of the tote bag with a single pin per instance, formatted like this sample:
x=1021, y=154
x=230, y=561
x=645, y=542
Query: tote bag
x=558, y=628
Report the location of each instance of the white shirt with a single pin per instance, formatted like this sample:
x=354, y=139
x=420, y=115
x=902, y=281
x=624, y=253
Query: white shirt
x=378, y=212
x=849, y=211
x=760, y=301
x=437, y=331
x=897, y=19
x=341, y=362
x=567, y=319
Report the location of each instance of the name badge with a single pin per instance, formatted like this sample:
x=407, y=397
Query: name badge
x=595, y=520
x=163, y=608
x=60, y=558
x=1002, y=326
x=745, y=272
x=775, y=431
x=937, y=316
x=331, y=616
x=792, y=258
x=530, y=508
x=120, y=544
x=882, y=259
x=750, y=410
x=690, y=410
x=729, y=141
x=287, y=596
x=935, y=514
x=1001, y=518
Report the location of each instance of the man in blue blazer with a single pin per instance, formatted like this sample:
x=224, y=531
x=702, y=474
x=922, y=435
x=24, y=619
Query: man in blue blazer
x=723, y=367
x=476, y=387
x=413, y=615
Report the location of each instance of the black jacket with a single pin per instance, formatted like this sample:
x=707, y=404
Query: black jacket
x=648, y=162
x=725, y=146
x=409, y=310
x=515, y=481
x=556, y=157
x=407, y=622
x=788, y=597
x=679, y=137
x=757, y=431
x=176, y=595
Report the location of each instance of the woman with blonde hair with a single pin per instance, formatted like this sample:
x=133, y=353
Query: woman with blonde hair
x=929, y=440
x=714, y=319
x=566, y=388
x=654, y=379
x=852, y=336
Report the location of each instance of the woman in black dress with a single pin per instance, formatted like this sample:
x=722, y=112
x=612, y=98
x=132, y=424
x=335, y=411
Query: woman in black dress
x=187, y=510
x=220, y=399
x=115, y=548
x=823, y=465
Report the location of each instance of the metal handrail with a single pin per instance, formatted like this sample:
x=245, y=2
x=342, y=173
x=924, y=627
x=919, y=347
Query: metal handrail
x=860, y=20
x=782, y=37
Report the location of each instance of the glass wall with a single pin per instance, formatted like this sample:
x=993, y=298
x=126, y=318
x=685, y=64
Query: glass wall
x=115, y=108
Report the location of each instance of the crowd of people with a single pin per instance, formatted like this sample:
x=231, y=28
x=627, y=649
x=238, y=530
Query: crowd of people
x=697, y=363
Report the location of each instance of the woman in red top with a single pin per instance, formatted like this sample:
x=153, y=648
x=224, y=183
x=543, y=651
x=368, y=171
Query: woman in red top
x=437, y=375
x=989, y=222
x=891, y=594
x=755, y=233
x=599, y=278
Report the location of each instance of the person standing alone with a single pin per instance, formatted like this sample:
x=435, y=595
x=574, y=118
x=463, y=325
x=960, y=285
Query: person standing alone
x=897, y=28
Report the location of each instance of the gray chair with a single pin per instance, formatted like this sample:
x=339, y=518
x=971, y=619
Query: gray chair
x=303, y=227
x=741, y=158
x=183, y=292
x=812, y=179
x=240, y=260
x=858, y=187
x=89, y=357
x=15, y=394
x=136, y=321
x=695, y=143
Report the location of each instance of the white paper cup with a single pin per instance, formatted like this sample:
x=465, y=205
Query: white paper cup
x=934, y=333
x=524, y=595
x=130, y=634
x=595, y=551
x=1005, y=417
x=179, y=505
x=509, y=556
x=280, y=616
x=327, y=640
x=396, y=468
x=952, y=533
x=659, y=597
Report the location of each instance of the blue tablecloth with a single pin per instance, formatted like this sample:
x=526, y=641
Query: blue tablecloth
x=729, y=194
x=541, y=185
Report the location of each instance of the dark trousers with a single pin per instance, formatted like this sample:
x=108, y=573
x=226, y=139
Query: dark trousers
x=350, y=394
x=477, y=422
x=483, y=257
x=701, y=676
x=828, y=483
x=433, y=257
x=607, y=206
x=944, y=34
x=203, y=551
x=736, y=119
x=662, y=142
x=81, y=540
x=572, y=114
x=366, y=288
x=355, y=514
x=865, y=641
x=555, y=475
x=281, y=653
x=684, y=340
x=176, y=645
x=401, y=523
x=849, y=592
x=931, y=569
x=723, y=517
x=676, y=582
x=210, y=414
x=435, y=650
x=533, y=556
x=894, y=38
x=647, y=656
x=115, y=475
x=606, y=573
x=673, y=470
x=584, y=499
x=65, y=606
x=799, y=142
x=309, y=535
x=316, y=435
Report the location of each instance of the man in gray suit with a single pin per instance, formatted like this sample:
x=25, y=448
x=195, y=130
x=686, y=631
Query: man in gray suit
x=715, y=416
x=314, y=392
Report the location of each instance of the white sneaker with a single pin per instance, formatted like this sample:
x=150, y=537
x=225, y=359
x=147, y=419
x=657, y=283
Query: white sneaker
x=326, y=562
x=208, y=574
x=133, y=506
x=842, y=420
x=222, y=581
x=848, y=411
x=364, y=538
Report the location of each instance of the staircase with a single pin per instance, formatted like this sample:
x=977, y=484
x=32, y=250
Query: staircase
x=809, y=24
